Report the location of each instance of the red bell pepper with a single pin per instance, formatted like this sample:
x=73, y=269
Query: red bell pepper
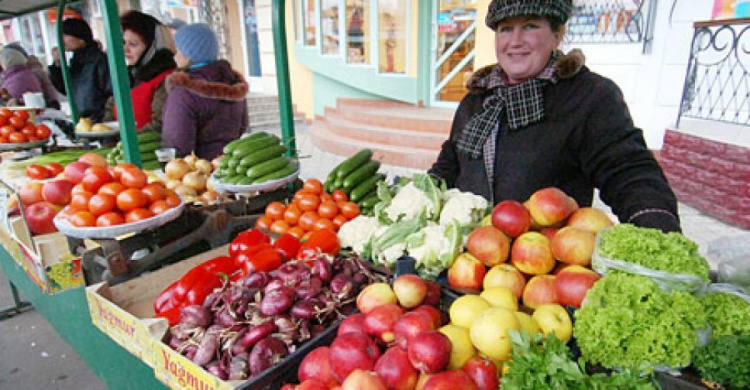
x=267, y=259
x=165, y=300
x=320, y=241
x=243, y=256
x=287, y=245
x=247, y=239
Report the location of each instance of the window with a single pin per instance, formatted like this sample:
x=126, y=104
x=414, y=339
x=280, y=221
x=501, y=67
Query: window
x=392, y=27
x=357, y=26
x=296, y=21
x=310, y=22
x=329, y=26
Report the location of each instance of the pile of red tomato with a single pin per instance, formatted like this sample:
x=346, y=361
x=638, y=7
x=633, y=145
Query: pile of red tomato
x=311, y=209
x=109, y=196
x=16, y=128
x=39, y=172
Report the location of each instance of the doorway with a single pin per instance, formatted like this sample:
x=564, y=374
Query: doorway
x=454, y=27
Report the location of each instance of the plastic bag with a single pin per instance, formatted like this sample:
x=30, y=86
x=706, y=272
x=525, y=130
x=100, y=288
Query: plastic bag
x=728, y=288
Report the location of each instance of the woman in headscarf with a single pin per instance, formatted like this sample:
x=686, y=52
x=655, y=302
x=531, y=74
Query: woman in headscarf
x=149, y=54
x=18, y=78
x=540, y=118
x=206, y=107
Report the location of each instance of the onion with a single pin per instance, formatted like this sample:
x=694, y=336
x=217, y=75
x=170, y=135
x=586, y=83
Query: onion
x=190, y=159
x=173, y=183
x=176, y=169
x=195, y=180
x=215, y=162
x=185, y=191
x=203, y=166
x=196, y=315
x=209, y=197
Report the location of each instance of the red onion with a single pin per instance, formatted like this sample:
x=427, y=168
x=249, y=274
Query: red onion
x=196, y=315
x=277, y=301
x=266, y=353
x=257, y=333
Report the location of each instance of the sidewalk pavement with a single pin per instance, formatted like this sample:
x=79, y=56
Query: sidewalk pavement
x=35, y=357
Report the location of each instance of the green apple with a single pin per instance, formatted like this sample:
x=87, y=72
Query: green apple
x=527, y=323
x=554, y=318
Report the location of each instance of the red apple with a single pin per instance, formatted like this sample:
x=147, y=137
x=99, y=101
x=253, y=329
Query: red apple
x=30, y=193
x=551, y=206
x=573, y=245
x=489, y=245
x=39, y=217
x=430, y=351
x=433, y=293
x=423, y=378
x=316, y=365
x=483, y=372
x=450, y=380
x=505, y=275
x=395, y=369
x=591, y=219
x=312, y=384
x=549, y=232
x=466, y=272
x=410, y=290
x=572, y=283
x=353, y=323
x=379, y=322
x=363, y=380
x=540, y=290
x=375, y=295
x=511, y=217
x=410, y=325
x=57, y=192
x=351, y=351
x=75, y=171
x=531, y=254
x=438, y=317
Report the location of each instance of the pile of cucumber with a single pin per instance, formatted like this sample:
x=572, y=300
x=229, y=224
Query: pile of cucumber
x=358, y=177
x=255, y=159
x=148, y=142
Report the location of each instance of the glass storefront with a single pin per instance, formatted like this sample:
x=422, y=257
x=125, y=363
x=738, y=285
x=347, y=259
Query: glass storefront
x=329, y=26
x=357, y=31
x=392, y=33
x=310, y=21
x=454, y=60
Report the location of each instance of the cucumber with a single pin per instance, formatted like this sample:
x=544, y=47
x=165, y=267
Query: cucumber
x=370, y=200
x=255, y=145
x=360, y=174
x=148, y=136
x=221, y=173
x=151, y=165
x=352, y=163
x=337, y=184
x=267, y=167
x=263, y=155
x=149, y=146
x=365, y=188
x=279, y=174
x=232, y=179
x=233, y=163
x=147, y=157
x=244, y=180
x=228, y=148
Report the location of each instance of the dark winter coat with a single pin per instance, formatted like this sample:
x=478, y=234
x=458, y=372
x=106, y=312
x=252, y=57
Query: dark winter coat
x=206, y=108
x=587, y=140
x=91, y=82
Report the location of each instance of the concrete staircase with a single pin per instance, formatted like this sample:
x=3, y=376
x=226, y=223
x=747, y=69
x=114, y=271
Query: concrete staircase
x=263, y=111
x=399, y=134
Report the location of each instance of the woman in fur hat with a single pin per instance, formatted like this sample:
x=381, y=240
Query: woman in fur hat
x=149, y=54
x=206, y=104
x=18, y=78
x=540, y=118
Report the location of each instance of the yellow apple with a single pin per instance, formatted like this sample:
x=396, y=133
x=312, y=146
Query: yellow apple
x=500, y=297
x=554, y=318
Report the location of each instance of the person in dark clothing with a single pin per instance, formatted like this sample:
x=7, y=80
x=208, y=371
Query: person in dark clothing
x=206, y=104
x=539, y=118
x=148, y=47
x=55, y=71
x=89, y=70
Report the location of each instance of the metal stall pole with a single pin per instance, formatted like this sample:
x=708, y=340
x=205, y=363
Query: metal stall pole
x=282, y=77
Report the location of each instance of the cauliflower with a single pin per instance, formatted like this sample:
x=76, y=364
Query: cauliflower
x=358, y=232
x=465, y=207
x=389, y=256
x=435, y=247
x=408, y=203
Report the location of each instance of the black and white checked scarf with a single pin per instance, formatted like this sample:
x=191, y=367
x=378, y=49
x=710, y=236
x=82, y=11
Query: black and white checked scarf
x=523, y=104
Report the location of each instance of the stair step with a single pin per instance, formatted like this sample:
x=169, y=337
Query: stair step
x=346, y=128
x=408, y=157
x=434, y=120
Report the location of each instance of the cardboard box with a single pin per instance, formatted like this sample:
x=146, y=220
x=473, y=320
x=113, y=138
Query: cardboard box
x=124, y=312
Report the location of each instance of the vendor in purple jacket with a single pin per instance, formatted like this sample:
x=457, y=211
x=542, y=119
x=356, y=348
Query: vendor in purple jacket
x=206, y=104
x=540, y=118
x=18, y=78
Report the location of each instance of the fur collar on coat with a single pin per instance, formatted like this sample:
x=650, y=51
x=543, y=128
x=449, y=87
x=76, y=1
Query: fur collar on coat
x=232, y=90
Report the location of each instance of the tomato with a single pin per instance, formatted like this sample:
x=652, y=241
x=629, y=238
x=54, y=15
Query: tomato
x=279, y=226
x=313, y=186
x=247, y=239
x=264, y=222
x=325, y=197
x=138, y=214
x=172, y=200
x=338, y=221
x=17, y=123
x=28, y=130
x=133, y=178
x=42, y=131
x=95, y=177
x=17, y=138
x=154, y=192
x=32, y=138
x=112, y=218
x=296, y=231
x=6, y=112
x=3, y=139
x=323, y=223
x=275, y=210
x=54, y=168
x=80, y=202
x=328, y=209
x=24, y=115
x=159, y=207
x=287, y=245
x=307, y=219
x=77, y=189
x=112, y=188
x=299, y=194
x=100, y=204
x=3, y=120
x=37, y=172
x=350, y=210
x=292, y=214
x=309, y=202
x=7, y=130
x=82, y=219
x=323, y=240
x=131, y=199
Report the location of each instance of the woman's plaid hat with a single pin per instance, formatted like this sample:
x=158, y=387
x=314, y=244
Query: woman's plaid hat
x=500, y=10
